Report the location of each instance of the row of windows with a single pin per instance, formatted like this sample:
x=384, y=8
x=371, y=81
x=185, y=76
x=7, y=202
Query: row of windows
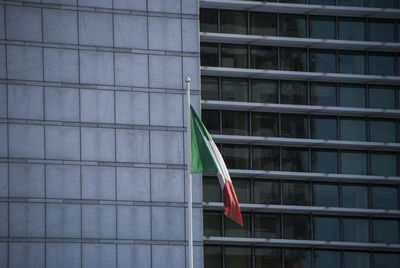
x=293, y=25
x=314, y=160
x=304, y=193
x=297, y=59
x=299, y=126
x=261, y=257
x=302, y=93
x=303, y=227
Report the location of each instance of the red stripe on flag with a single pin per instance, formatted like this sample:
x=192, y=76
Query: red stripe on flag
x=231, y=204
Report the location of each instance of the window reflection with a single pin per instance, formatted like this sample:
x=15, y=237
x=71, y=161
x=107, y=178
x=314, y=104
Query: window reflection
x=351, y=62
x=322, y=61
x=236, y=156
x=263, y=23
x=382, y=130
x=385, y=197
x=321, y=26
x=211, y=189
x=385, y=231
x=382, y=3
x=262, y=57
x=381, y=63
x=355, y=196
x=266, y=192
x=264, y=124
x=294, y=159
x=242, y=189
x=324, y=161
x=268, y=257
x=380, y=29
x=211, y=120
x=296, y=193
x=294, y=126
x=234, y=56
x=352, y=95
x=296, y=226
x=292, y=25
x=293, y=59
x=208, y=20
x=356, y=229
x=382, y=97
x=383, y=164
x=265, y=158
x=212, y=256
x=267, y=225
x=323, y=94
x=327, y=259
x=325, y=195
x=356, y=259
x=387, y=260
x=209, y=88
x=323, y=128
x=209, y=54
x=351, y=29
x=237, y=257
x=235, y=123
x=297, y=258
x=326, y=228
x=294, y=92
x=233, y=22
x=264, y=91
x=212, y=223
x=234, y=89
x=232, y=229
x=352, y=129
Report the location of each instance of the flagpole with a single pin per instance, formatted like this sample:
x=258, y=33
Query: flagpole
x=190, y=219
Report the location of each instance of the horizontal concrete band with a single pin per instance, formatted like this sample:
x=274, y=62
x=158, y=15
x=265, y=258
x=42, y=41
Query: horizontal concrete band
x=302, y=8
x=300, y=243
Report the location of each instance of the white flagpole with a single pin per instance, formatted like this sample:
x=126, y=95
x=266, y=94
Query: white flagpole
x=190, y=220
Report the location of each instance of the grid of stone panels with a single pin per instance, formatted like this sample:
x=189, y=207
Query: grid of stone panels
x=92, y=162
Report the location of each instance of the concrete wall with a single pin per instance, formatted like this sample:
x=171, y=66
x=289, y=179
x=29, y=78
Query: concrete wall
x=92, y=133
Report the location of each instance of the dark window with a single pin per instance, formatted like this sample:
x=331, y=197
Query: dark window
x=234, y=89
x=381, y=63
x=353, y=162
x=356, y=229
x=382, y=97
x=323, y=127
x=356, y=259
x=353, y=129
x=235, y=123
x=385, y=231
x=292, y=25
x=351, y=29
x=208, y=20
x=236, y=156
x=383, y=164
x=292, y=1
x=351, y=62
x=325, y=195
x=208, y=54
x=382, y=130
x=384, y=4
x=268, y=257
x=352, y=3
x=293, y=92
x=212, y=256
x=294, y=159
x=232, y=229
x=352, y=96
x=237, y=257
x=296, y=226
x=263, y=23
x=321, y=2
x=242, y=189
x=209, y=88
x=385, y=197
x=266, y=192
x=263, y=58
x=296, y=193
x=211, y=189
x=387, y=260
x=265, y=158
x=234, y=56
x=264, y=124
x=322, y=61
x=293, y=59
x=210, y=119
x=322, y=27
x=381, y=30
x=212, y=223
x=355, y=196
x=267, y=225
x=324, y=161
x=233, y=22
x=297, y=258
x=326, y=228
x=327, y=259
x=323, y=94
x=294, y=126
x=264, y=91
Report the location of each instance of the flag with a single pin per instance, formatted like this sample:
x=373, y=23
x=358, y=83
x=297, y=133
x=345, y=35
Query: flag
x=205, y=157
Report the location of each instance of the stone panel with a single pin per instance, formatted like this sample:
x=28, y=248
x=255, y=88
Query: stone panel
x=164, y=256
x=99, y=255
x=25, y=63
x=63, y=181
x=160, y=103
x=98, y=144
x=167, y=223
x=63, y=220
x=128, y=29
x=131, y=69
x=3, y=62
x=96, y=67
x=26, y=220
x=3, y=180
x=133, y=222
x=23, y=23
x=60, y=26
x=3, y=101
x=166, y=147
x=132, y=108
x=97, y=3
x=61, y=104
x=25, y=102
x=98, y=221
x=133, y=184
x=61, y=2
x=26, y=255
x=95, y=29
x=190, y=35
x=134, y=256
x=62, y=143
x=166, y=6
x=26, y=141
x=26, y=180
x=4, y=139
x=132, y=146
x=2, y=26
x=165, y=33
x=167, y=185
x=165, y=72
x=63, y=255
x=61, y=65
x=98, y=183
x=3, y=254
x=3, y=220
x=97, y=106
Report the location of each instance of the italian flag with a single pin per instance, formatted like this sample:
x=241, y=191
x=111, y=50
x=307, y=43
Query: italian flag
x=205, y=157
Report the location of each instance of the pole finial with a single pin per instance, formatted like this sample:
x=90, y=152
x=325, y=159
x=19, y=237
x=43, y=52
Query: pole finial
x=187, y=79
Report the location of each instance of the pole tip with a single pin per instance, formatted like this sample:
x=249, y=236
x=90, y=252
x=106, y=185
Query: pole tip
x=187, y=79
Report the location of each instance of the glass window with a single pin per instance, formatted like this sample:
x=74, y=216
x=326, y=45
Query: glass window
x=382, y=130
x=296, y=226
x=352, y=162
x=292, y=1
x=265, y=124
x=233, y=22
x=264, y=91
x=321, y=2
x=265, y=158
x=293, y=59
x=266, y=192
x=294, y=159
x=383, y=164
x=385, y=231
x=352, y=96
x=296, y=193
x=387, y=260
x=381, y=63
x=382, y=97
x=211, y=189
x=237, y=257
x=327, y=259
x=212, y=223
x=262, y=23
x=209, y=88
x=385, y=197
x=323, y=94
x=320, y=26
x=322, y=61
x=355, y=229
x=294, y=126
x=351, y=62
x=297, y=258
x=380, y=30
x=294, y=92
x=268, y=257
x=352, y=3
x=325, y=195
x=382, y=3
x=235, y=123
x=324, y=161
x=232, y=229
x=292, y=25
x=208, y=20
x=210, y=119
x=326, y=228
x=208, y=54
x=267, y=225
x=356, y=259
x=351, y=29
x=352, y=129
x=242, y=189
x=323, y=127
x=234, y=56
x=234, y=89
x=263, y=58
x=212, y=256
x=236, y=156
x=355, y=196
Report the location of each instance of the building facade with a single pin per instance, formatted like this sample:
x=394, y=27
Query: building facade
x=303, y=99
